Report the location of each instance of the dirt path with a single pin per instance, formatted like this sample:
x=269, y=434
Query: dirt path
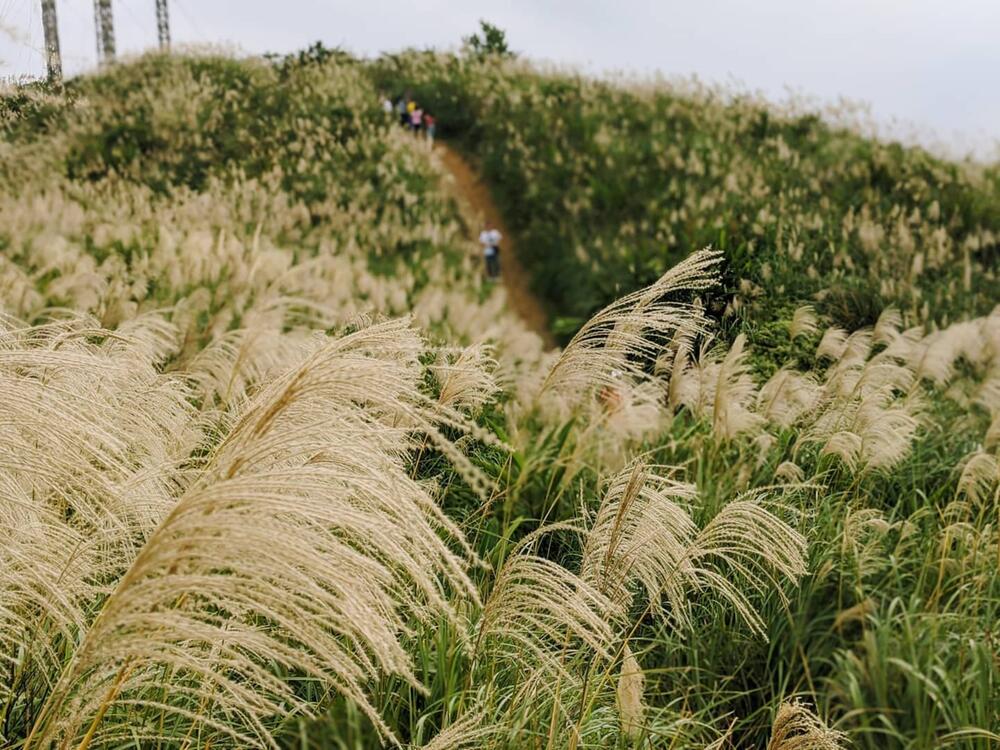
x=480, y=208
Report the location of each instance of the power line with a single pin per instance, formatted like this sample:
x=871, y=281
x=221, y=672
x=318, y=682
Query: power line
x=191, y=22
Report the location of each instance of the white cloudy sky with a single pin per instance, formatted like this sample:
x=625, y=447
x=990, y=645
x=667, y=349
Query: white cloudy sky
x=927, y=65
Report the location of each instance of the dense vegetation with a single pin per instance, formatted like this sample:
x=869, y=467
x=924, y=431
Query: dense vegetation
x=244, y=501
x=610, y=183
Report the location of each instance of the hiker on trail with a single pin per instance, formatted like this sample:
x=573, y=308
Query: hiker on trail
x=430, y=125
x=387, y=105
x=401, y=110
x=490, y=238
x=416, y=118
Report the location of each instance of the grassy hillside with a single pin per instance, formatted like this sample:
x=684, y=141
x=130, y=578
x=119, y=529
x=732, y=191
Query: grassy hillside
x=608, y=184
x=278, y=469
x=838, y=249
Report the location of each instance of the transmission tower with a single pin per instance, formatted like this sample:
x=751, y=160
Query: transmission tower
x=53, y=61
x=163, y=24
x=105, y=26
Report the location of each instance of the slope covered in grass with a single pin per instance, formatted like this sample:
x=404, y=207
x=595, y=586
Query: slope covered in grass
x=277, y=468
x=608, y=183
x=842, y=253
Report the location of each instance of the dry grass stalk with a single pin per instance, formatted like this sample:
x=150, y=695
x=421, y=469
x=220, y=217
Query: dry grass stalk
x=304, y=545
x=537, y=607
x=629, y=695
x=804, y=322
x=980, y=478
x=795, y=727
x=734, y=393
x=643, y=536
x=471, y=732
x=466, y=379
x=626, y=337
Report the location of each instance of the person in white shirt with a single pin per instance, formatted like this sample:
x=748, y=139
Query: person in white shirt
x=490, y=238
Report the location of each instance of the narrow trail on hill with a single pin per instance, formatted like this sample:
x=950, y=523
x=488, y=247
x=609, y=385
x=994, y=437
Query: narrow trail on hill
x=480, y=208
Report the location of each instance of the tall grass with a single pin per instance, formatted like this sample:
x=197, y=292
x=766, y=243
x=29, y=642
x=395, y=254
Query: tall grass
x=277, y=470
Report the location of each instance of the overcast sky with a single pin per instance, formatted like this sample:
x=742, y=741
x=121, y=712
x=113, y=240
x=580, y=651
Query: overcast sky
x=931, y=66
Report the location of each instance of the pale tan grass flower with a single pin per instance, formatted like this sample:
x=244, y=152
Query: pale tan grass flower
x=980, y=477
x=304, y=544
x=795, y=727
x=624, y=335
x=804, y=322
x=643, y=537
x=629, y=695
x=833, y=344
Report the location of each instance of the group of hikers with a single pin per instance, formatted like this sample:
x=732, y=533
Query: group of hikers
x=411, y=115
x=416, y=119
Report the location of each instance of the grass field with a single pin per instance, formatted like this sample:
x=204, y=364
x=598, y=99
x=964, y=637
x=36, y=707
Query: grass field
x=278, y=468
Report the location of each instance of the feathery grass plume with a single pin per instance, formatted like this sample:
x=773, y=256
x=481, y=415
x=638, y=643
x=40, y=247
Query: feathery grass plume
x=980, y=477
x=863, y=538
x=49, y=573
x=304, y=551
x=399, y=403
x=156, y=337
x=977, y=342
x=643, y=536
x=536, y=608
x=846, y=446
x=629, y=695
x=804, y=322
x=756, y=549
x=867, y=412
x=901, y=348
x=684, y=388
x=92, y=447
x=719, y=387
x=466, y=379
x=471, y=732
x=992, y=437
x=833, y=344
x=228, y=367
x=887, y=432
x=627, y=335
x=735, y=391
x=886, y=331
x=857, y=348
x=866, y=434
x=988, y=391
x=933, y=357
x=92, y=430
x=795, y=727
x=787, y=397
x=629, y=414
x=763, y=444
x=788, y=472
x=879, y=380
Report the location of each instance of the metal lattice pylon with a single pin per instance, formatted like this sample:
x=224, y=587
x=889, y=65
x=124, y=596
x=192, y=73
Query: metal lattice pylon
x=105, y=26
x=163, y=24
x=53, y=60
